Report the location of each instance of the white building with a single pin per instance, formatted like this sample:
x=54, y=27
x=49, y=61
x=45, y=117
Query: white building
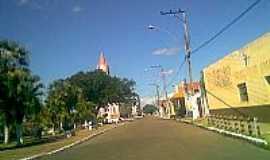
x=111, y=113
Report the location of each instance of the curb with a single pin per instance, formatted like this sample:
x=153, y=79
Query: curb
x=256, y=141
x=71, y=145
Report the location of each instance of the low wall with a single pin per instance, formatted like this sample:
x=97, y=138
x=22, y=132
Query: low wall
x=262, y=112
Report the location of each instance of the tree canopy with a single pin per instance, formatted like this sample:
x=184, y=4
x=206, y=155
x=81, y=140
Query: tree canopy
x=66, y=103
x=69, y=101
x=19, y=88
x=101, y=89
x=149, y=109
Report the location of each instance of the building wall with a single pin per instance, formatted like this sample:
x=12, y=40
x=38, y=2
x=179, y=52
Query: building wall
x=249, y=65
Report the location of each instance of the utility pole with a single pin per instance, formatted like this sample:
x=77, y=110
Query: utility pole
x=157, y=92
x=157, y=95
x=186, y=39
x=163, y=77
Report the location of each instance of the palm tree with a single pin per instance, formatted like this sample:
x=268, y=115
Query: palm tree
x=19, y=89
x=11, y=58
x=25, y=93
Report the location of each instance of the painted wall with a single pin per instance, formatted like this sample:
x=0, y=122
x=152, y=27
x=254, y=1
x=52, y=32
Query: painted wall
x=249, y=65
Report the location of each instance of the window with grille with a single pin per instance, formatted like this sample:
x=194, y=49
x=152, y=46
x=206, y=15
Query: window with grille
x=267, y=78
x=243, y=92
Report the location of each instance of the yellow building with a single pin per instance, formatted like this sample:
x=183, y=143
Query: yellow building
x=240, y=82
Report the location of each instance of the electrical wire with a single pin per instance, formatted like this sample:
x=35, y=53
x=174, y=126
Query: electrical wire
x=226, y=27
x=177, y=73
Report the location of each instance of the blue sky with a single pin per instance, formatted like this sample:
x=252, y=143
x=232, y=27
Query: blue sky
x=66, y=36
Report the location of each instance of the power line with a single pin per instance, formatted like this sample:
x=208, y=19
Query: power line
x=226, y=27
x=177, y=73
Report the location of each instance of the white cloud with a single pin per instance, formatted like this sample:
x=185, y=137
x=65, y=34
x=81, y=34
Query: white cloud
x=166, y=51
x=33, y=4
x=23, y=2
x=77, y=9
x=147, y=100
x=168, y=72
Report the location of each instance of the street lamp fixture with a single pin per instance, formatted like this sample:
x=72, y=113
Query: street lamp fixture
x=157, y=28
x=151, y=27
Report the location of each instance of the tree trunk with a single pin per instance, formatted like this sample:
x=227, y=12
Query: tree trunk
x=6, y=132
x=19, y=134
x=61, y=126
x=53, y=132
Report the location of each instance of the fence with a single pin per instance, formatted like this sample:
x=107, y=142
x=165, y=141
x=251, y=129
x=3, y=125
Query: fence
x=244, y=125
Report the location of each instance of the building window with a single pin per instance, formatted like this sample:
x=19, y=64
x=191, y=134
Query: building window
x=243, y=92
x=267, y=78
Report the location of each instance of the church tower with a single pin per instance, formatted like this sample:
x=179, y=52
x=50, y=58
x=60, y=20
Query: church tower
x=102, y=64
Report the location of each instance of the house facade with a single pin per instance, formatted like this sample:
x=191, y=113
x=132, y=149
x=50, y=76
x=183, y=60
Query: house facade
x=188, y=100
x=240, y=82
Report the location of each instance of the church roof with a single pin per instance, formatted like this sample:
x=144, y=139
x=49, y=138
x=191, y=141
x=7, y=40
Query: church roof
x=102, y=59
x=102, y=63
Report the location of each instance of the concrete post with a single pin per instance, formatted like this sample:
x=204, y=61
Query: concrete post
x=255, y=126
x=90, y=125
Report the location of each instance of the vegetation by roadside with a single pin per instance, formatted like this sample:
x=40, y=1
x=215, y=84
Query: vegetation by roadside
x=149, y=109
x=19, y=153
x=28, y=115
x=31, y=141
x=266, y=133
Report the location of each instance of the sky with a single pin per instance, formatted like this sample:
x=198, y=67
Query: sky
x=66, y=36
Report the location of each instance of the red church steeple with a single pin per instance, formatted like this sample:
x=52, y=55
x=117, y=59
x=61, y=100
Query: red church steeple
x=102, y=63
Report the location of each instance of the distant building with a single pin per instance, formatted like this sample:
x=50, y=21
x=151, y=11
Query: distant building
x=113, y=113
x=110, y=112
x=186, y=103
x=161, y=108
x=240, y=82
x=102, y=64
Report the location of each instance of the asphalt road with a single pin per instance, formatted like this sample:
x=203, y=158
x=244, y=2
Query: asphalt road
x=152, y=139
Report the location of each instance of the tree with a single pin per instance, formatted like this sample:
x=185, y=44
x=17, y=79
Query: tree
x=60, y=102
x=55, y=103
x=126, y=110
x=11, y=58
x=149, y=109
x=39, y=122
x=85, y=110
x=19, y=89
x=67, y=104
x=101, y=89
x=25, y=92
x=78, y=98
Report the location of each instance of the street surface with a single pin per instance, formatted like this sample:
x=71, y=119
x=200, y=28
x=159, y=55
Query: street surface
x=153, y=139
